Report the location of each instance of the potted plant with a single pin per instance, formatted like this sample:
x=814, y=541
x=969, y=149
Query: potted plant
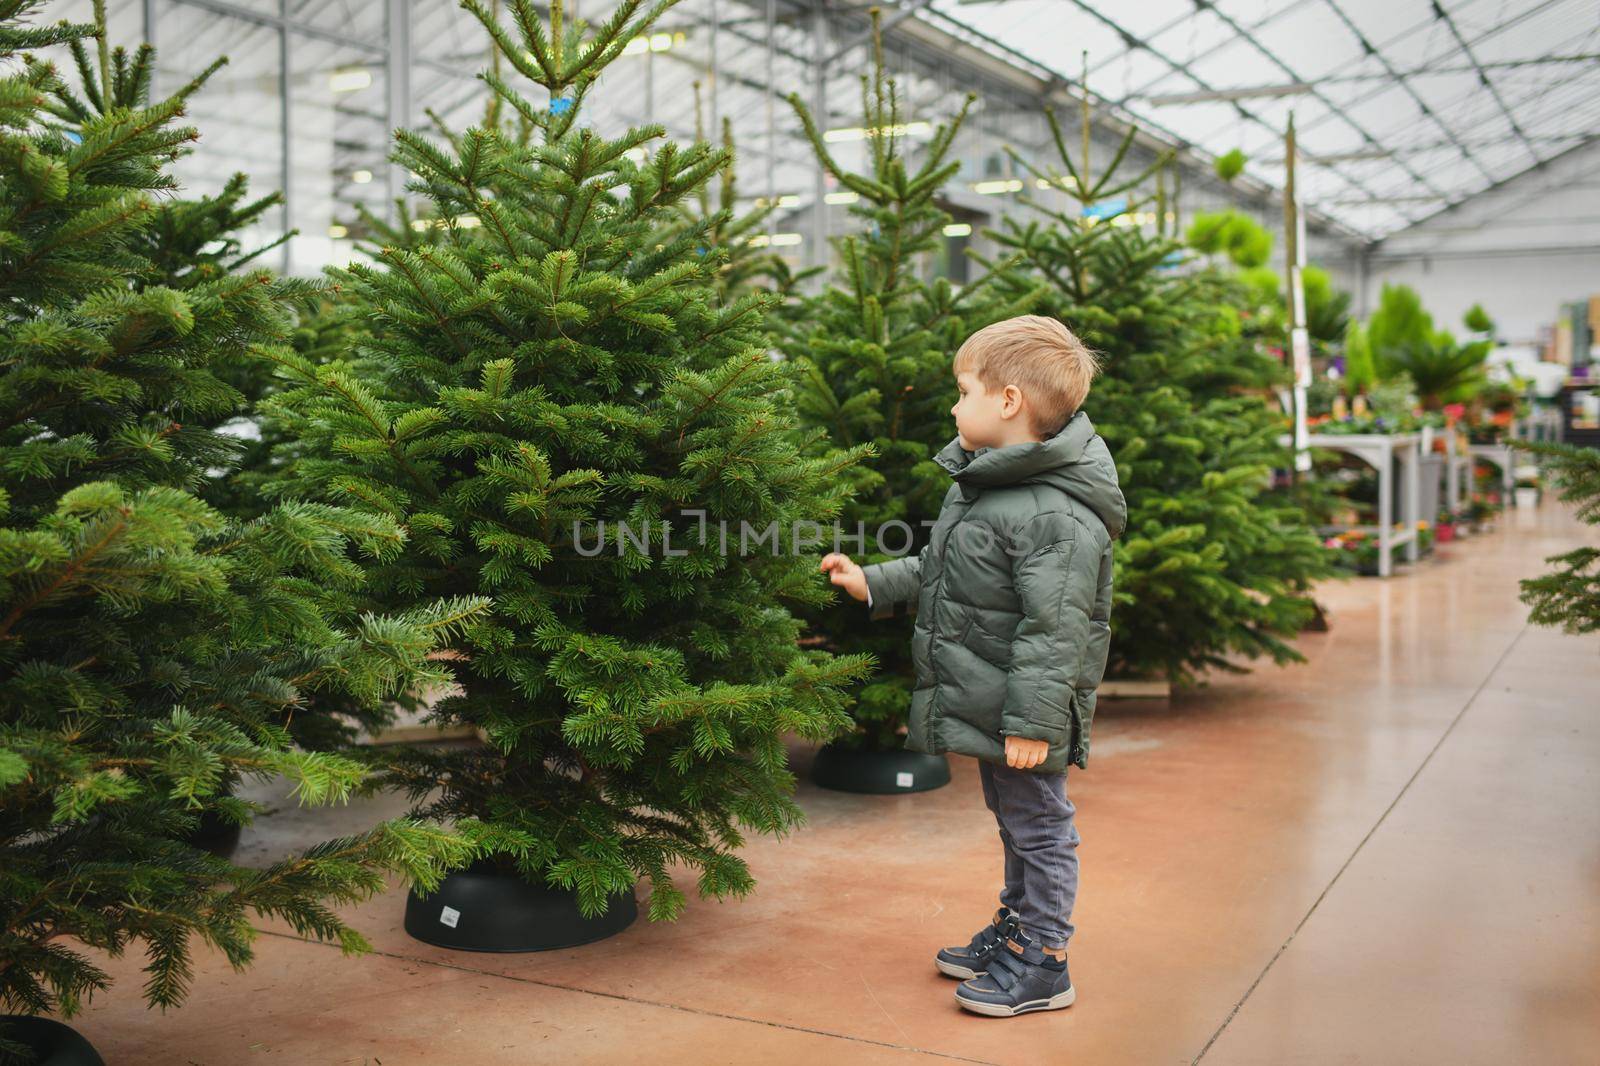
x=1405, y=343
x=1445, y=527
x=1526, y=492
x=1481, y=511
x=1357, y=550
x=1425, y=537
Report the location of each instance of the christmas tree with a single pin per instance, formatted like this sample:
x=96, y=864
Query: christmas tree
x=1211, y=567
x=188, y=242
x=153, y=650
x=1569, y=596
x=566, y=418
x=875, y=349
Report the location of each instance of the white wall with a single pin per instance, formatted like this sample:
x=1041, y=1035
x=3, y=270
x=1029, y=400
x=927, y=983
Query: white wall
x=1520, y=250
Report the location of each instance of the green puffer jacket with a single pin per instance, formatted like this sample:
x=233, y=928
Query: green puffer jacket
x=1012, y=597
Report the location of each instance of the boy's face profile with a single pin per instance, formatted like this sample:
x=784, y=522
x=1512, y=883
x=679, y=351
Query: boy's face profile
x=987, y=419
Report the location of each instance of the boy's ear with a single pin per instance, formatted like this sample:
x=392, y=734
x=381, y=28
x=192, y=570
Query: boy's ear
x=1011, y=401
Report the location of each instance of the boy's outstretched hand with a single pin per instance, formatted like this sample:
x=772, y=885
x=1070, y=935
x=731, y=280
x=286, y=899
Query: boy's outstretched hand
x=1024, y=754
x=846, y=574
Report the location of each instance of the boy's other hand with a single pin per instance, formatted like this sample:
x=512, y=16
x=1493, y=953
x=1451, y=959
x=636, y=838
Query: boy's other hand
x=846, y=574
x=1024, y=754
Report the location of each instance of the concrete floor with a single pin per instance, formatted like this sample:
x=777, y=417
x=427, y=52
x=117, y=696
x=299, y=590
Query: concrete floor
x=1390, y=854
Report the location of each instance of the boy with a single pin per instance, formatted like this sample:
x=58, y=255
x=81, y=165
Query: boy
x=1012, y=597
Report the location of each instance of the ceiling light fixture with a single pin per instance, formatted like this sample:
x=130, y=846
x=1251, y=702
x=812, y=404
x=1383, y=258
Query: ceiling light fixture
x=350, y=79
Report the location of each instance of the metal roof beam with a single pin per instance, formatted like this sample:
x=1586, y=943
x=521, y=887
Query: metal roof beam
x=1187, y=71
x=1415, y=149
x=1402, y=80
x=900, y=15
x=1208, y=96
x=1226, y=42
x=1053, y=85
x=1391, y=72
x=1504, y=64
x=1592, y=138
x=1366, y=135
x=1529, y=97
x=801, y=7
x=1444, y=16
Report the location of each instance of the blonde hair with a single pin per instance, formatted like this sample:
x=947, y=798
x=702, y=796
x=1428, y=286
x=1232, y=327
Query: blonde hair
x=1041, y=357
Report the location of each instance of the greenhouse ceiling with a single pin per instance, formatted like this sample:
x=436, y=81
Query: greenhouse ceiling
x=1403, y=108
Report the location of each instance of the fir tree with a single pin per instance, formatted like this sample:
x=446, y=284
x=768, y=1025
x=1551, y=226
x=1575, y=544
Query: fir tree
x=188, y=241
x=527, y=378
x=875, y=349
x=325, y=327
x=1211, y=566
x=151, y=649
x=1569, y=596
x=194, y=240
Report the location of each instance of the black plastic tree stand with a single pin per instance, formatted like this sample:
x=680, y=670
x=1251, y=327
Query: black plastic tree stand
x=52, y=1043
x=483, y=908
x=878, y=771
x=215, y=834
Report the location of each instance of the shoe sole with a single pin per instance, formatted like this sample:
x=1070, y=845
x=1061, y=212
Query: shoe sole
x=1000, y=1010
x=951, y=969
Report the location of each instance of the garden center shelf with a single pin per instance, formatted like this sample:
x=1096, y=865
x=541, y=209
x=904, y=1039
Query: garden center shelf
x=1500, y=457
x=1458, y=479
x=1542, y=424
x=1380, y=451
x=1580, y=411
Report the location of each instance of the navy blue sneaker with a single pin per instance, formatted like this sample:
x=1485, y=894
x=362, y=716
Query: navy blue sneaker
x=1021, y=978
x=972, y=960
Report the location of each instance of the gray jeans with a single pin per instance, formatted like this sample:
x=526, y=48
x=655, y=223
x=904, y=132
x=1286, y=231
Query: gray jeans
x=1041, y=847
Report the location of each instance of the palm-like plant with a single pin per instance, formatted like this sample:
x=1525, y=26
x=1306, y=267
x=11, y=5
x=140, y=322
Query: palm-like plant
x=1441, y=370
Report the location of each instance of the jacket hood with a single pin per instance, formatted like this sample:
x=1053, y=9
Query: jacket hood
x=1074, y=459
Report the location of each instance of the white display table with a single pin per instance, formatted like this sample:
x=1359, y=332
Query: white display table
x=1498, y=455
x=1379, y=450
x=1457, y=481
x=1543, y=424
